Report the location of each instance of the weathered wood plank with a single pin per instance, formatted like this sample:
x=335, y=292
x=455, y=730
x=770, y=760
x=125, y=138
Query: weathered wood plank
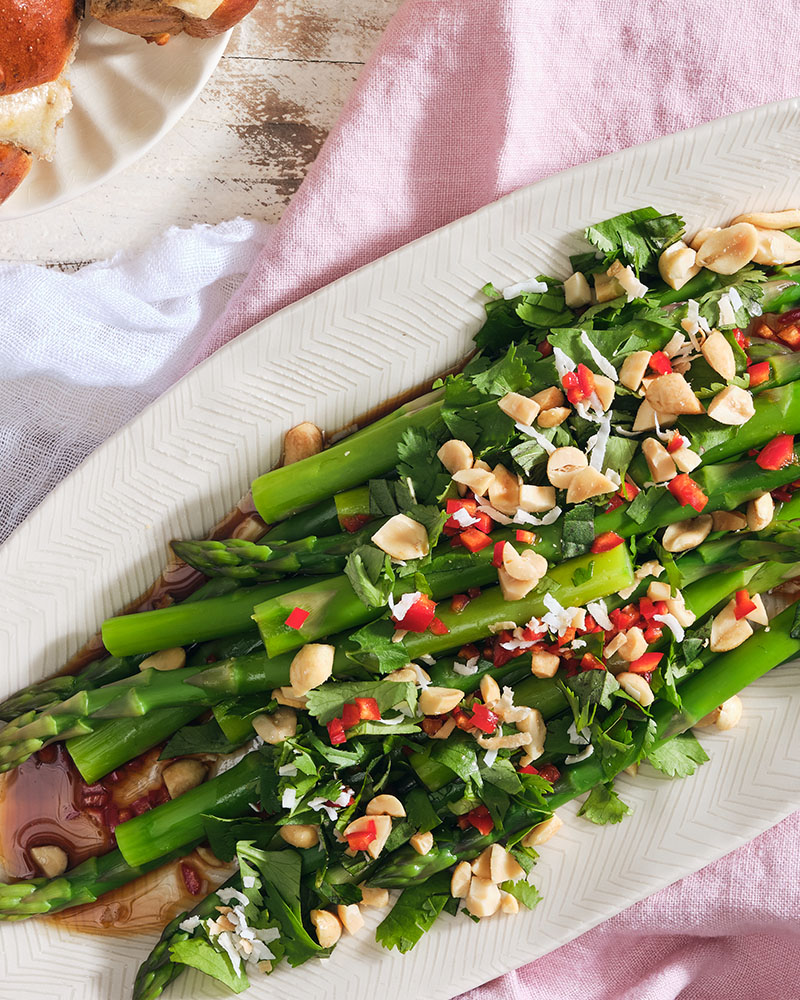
x=242, y=149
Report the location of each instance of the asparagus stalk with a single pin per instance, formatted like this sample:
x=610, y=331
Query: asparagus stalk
x=181, y=624
x=251, y=561
x=371, y=453
x=329, y=517
x=83, y=884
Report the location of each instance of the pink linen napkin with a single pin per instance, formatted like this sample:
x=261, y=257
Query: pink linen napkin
x=463, y=102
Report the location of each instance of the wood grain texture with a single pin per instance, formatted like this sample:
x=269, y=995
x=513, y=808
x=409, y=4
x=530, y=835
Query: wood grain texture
x=243, y=148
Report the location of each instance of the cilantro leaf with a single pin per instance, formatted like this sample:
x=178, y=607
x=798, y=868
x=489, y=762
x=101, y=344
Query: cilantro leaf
x=372, y=646
x=417, y=462
x=508, y=374
x=371, y=576
x=414, y=913
x=509, y=320
x=204, y=738
x=604, y=806
x=199, y=953
x=326, y=702
x=637, y=237
x=523, y=891
x=678, y=757
x=587, y=690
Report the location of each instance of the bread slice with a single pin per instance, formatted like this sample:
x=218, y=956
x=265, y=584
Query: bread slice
x=156, y=21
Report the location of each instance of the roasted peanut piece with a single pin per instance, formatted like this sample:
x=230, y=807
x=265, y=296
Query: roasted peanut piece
x=542, y=832
x=686, y=459
x=659, y=590
x=521, y=408
x=460, y=880
x=385, y=805
x=302, y=835
x=659, y=461
x=733, y=406
x=51, y=860
x=537, y=499
x=184, y=775
x=607, y=288
x=378, y=898
x=702, y=235
x=577, y=292
x=605, y=389
x=165, y=659
x=502, y=867
x=776, y=248
x=719, y=353
x=730, y=714
x=455, y=456
x=403, y=538
x=728, y=631
x=350, y=917
x=328, y=927
x=553, y=417
x=483, y=898
x=508, y=903
x=548, y=398
x=563, y=464
x=759, y=616
x=276, y=728
x=588, y=483
x=511, y=588
x=633, y=369
x=528, y=565
x=672, y=394
x=676, y=606
x=504, y=491
x=490, y=690
x=728, y=520
x=684, y=535
x=729, y=249
x=677, y=264
x=544, y=664
x=635, y=645
x=532, y=724
x=439, y=700
x=637, y=687
x=475, y=479
x=760, y=512
x=422, y=842
x=301, y=442
x=787, y=219
x=286, y=696
x=645, y=419
x=311, y=666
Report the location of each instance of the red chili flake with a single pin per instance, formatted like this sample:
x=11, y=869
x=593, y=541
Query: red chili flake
x=550, y=773
x=653, y=634
x=484, y=718
x=296, y=618
x=474, y=592
x=500, y=656
x=777, y=454
x=646, y=663
x=438, y=627
x=468, y=651
x=743, y=605
x=419, y=616
x=361, y=839
x=545, y=348
x=527, y=769
x=741, y=340
x=481, y=819
x=660, y=363
x=605, y=542
x=527, y=537
x=431, y=725
x=336, y=732
x=590, y=662
x=458, y=602
x=352, y=523
x=191, y=879
x=462, y=720
x=474, y=540
x=497, y=555
x=790, y=335
x=350, y=715
x=759, y=373
x=687, y=492
x=675, y=443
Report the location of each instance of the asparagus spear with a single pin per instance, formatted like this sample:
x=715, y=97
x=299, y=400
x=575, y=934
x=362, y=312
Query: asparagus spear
x=370, y=453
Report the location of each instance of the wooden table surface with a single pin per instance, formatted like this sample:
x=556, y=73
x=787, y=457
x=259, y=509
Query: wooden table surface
x=241, y=150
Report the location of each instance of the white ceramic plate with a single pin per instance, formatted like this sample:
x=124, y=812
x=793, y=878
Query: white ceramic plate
x=126, y=95
x=101, y=536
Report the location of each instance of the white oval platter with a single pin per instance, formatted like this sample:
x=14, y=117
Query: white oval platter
x=126, y=95
x=101, y=536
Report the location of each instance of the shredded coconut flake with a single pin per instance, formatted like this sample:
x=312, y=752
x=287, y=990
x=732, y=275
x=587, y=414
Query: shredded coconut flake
x=396, y=720
x=464, y=669
x=321, y=805
x=287, y=770
x=401, y=608
x=189, y=924
x=598, y=443
x=578, y=757
x=523, y=517
x=249, y=881
x=540, y=439
x=579, y=739
x=289, y=798
x=727, y=316
x=599, y=611
x=527, y=287
x=495, y=515
x=563, y=363
x=427, y=658
x=672, y=624
x=674, y=345
x=463, y=518
x=602, y=363
x=489, y=757
x=228, y=895
x=734, y=297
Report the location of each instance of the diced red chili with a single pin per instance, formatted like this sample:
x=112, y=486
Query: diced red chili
x=739, y=337
x=743, y=604
x=481, y=819
x=351, y=523
x=567, y=637
x=484, y=718
x=624, y=618
x=467, y=652
x=653, y=634
x=474, y=540
x=590, y=662
x=777, y=454
x=759, y=373
x=296, y=618
x=782, y=494
x=765, y=331
x=606, y=541
x=474, y=592
x=462, y=720
x=571, y=386
x=419, y=616
x=350, y=715
x=368, y=708
x=790, y=335
x=526, y=537
x=647, y=608
x=646, y=663
x=336, y=732
x=431, y=725
x=500, y=656
x=191, y=879
x=438, y=627
x=467, y=504
x=360, y=840
x=660, y=363
x=687, y=492
x=545, y=348
x=458, y=602
x=497, y=556
x=585, y=381
x=550, y=773
x=483, y=523
x=614, y=502
x=629, y=490
x=675, y=443
x=527, y=769
x=590, y=626
x=462, y=823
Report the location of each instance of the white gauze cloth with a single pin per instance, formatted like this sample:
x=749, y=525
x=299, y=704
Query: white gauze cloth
x=81, y=353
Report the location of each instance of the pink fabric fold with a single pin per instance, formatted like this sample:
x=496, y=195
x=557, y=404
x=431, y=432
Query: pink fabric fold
x=464, y=101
